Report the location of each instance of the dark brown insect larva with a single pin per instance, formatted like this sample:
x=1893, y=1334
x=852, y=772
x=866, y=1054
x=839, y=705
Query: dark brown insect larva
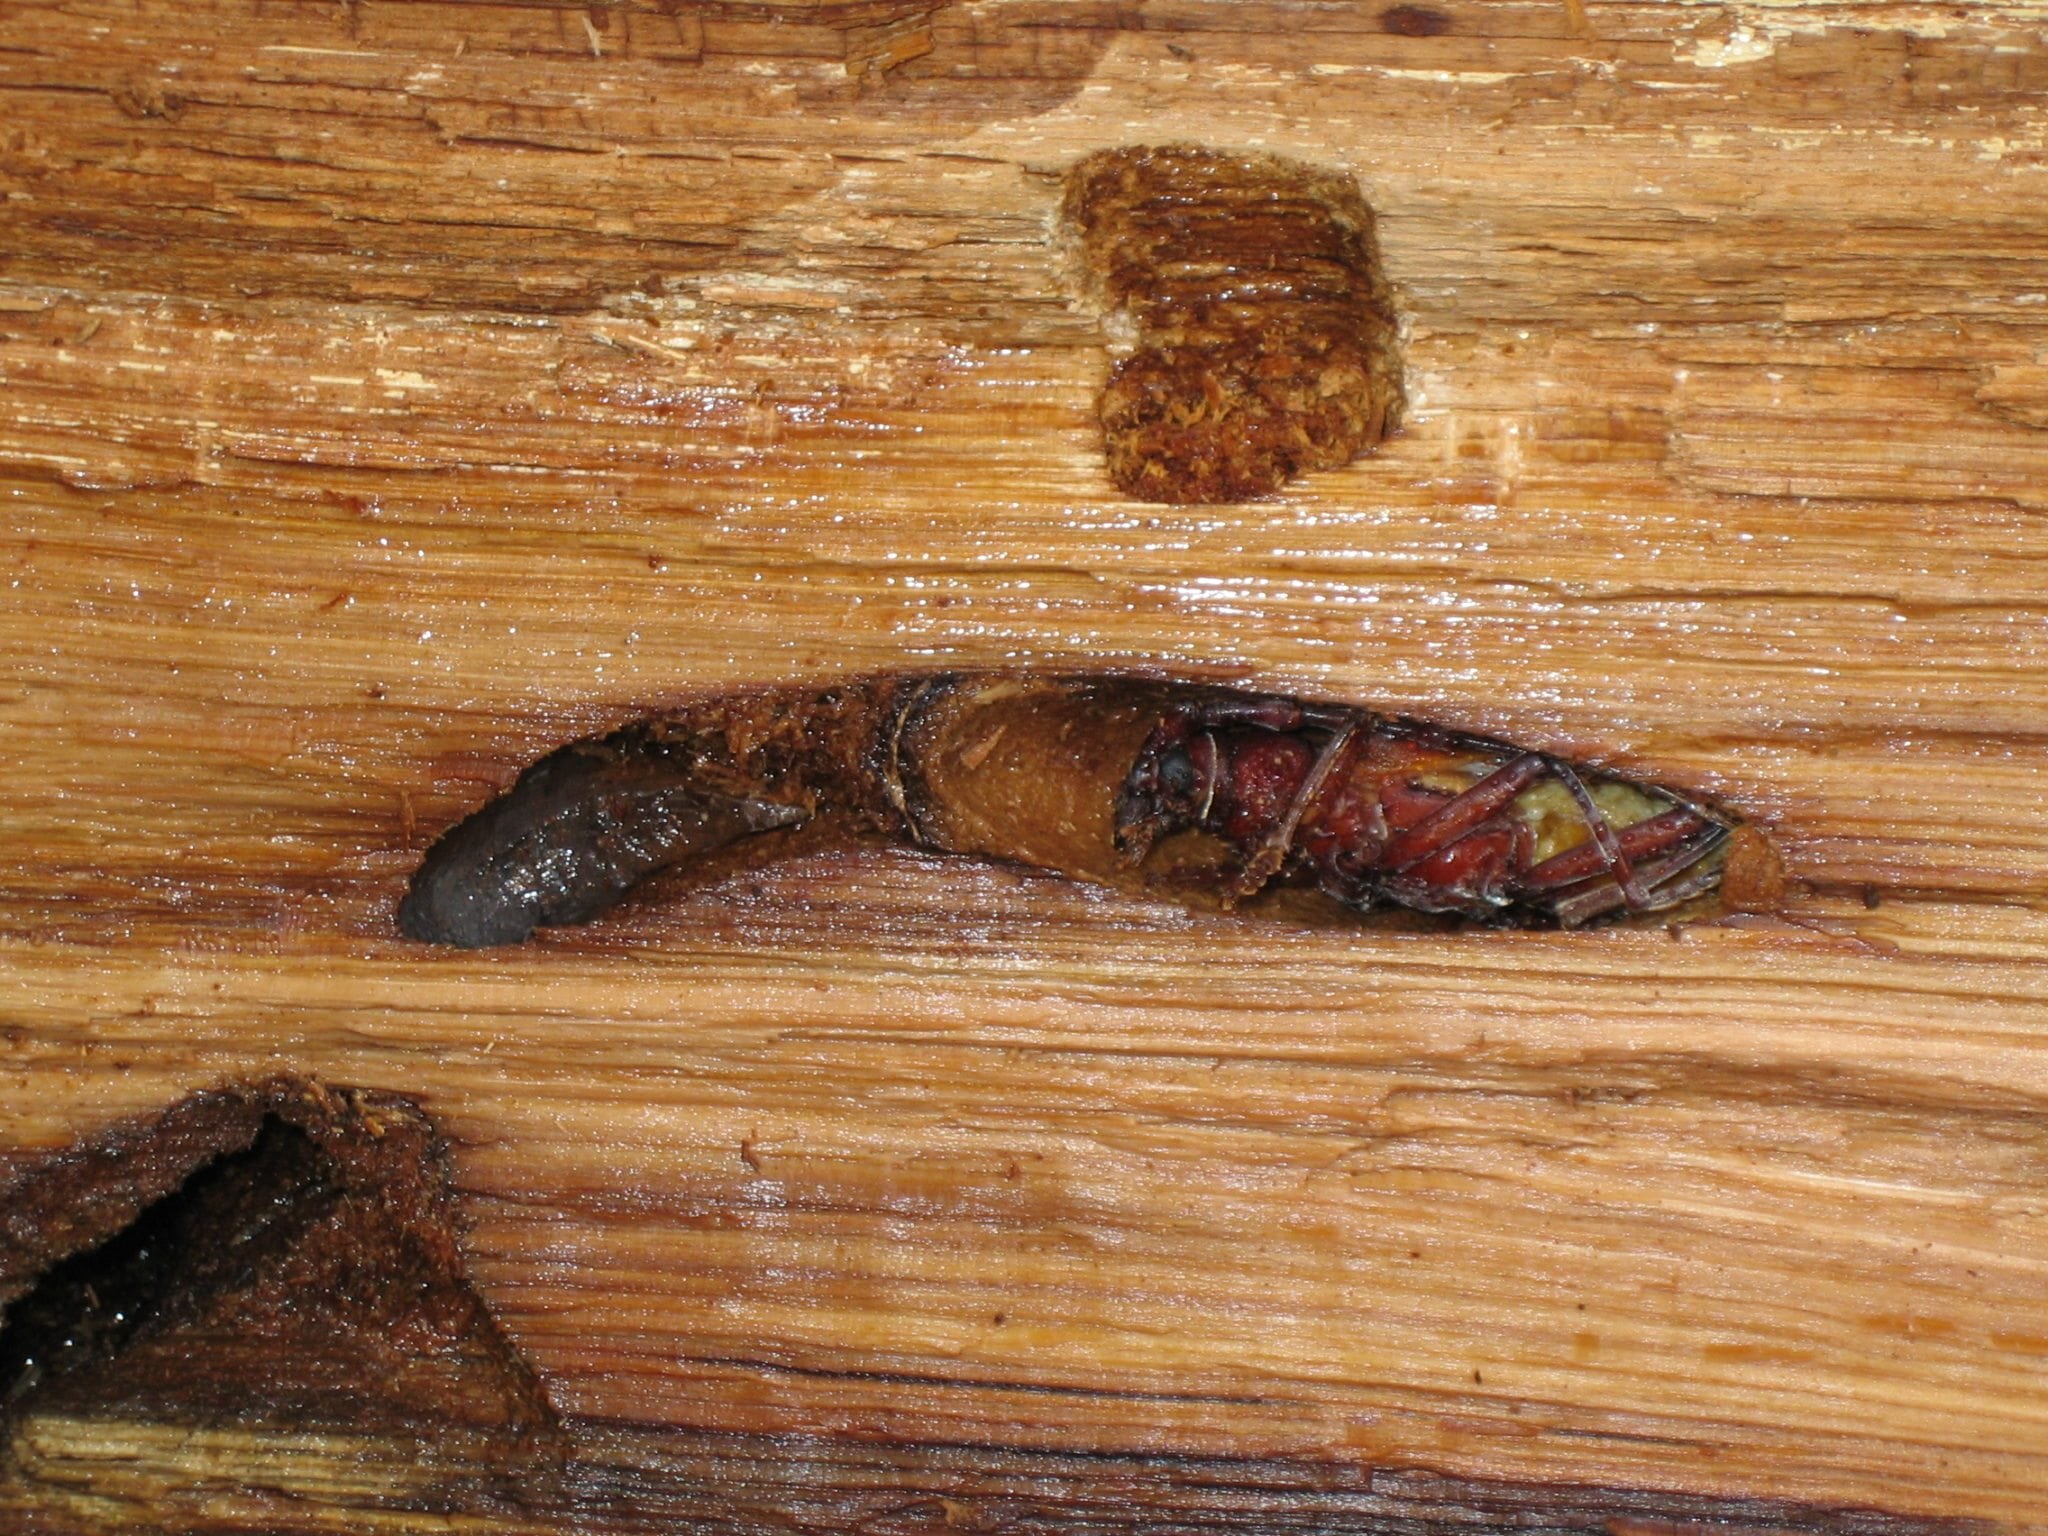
x=1265, y=333
x=581, y=828
x=1195, y=791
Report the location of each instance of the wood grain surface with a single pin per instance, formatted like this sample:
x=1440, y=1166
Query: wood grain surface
x=391, y=391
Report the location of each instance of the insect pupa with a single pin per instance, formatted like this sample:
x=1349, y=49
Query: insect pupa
x=1185, y=790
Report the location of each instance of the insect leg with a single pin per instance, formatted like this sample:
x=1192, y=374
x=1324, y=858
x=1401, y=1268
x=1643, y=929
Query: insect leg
x=1473, y=874
x=1462, y=815
x=1601, y=832
x=1270, y=856
x=1675, y=876
x=1643, y=840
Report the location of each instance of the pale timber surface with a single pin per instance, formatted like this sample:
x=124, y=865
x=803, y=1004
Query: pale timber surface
x=394, y=390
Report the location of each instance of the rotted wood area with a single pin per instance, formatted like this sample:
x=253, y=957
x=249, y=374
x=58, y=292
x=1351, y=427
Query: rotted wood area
x=395, y=392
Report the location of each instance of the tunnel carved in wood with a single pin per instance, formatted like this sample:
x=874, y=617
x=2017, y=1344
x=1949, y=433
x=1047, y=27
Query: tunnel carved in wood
x=1203, y=794
x=257, y=1287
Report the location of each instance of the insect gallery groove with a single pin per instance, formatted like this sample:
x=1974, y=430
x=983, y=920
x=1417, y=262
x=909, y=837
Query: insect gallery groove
x=1183, y=790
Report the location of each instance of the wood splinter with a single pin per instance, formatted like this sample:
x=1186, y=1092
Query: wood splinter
x=1200, y=793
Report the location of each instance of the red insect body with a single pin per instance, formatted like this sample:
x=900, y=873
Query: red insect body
x=1345, y=800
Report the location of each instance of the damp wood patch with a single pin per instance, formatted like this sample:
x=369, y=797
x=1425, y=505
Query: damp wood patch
x=396, y=393
x=1261, y=331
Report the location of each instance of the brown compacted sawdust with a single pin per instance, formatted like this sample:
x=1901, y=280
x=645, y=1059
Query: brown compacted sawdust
x=1265, y=328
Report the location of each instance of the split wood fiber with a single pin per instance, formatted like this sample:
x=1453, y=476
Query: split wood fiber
x=395, y=391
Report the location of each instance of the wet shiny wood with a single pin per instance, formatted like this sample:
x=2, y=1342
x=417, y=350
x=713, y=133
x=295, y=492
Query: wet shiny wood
x=394, y=391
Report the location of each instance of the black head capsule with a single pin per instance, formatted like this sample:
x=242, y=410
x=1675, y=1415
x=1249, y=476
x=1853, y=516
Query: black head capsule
x=1171, y=786
x=1177, y=778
